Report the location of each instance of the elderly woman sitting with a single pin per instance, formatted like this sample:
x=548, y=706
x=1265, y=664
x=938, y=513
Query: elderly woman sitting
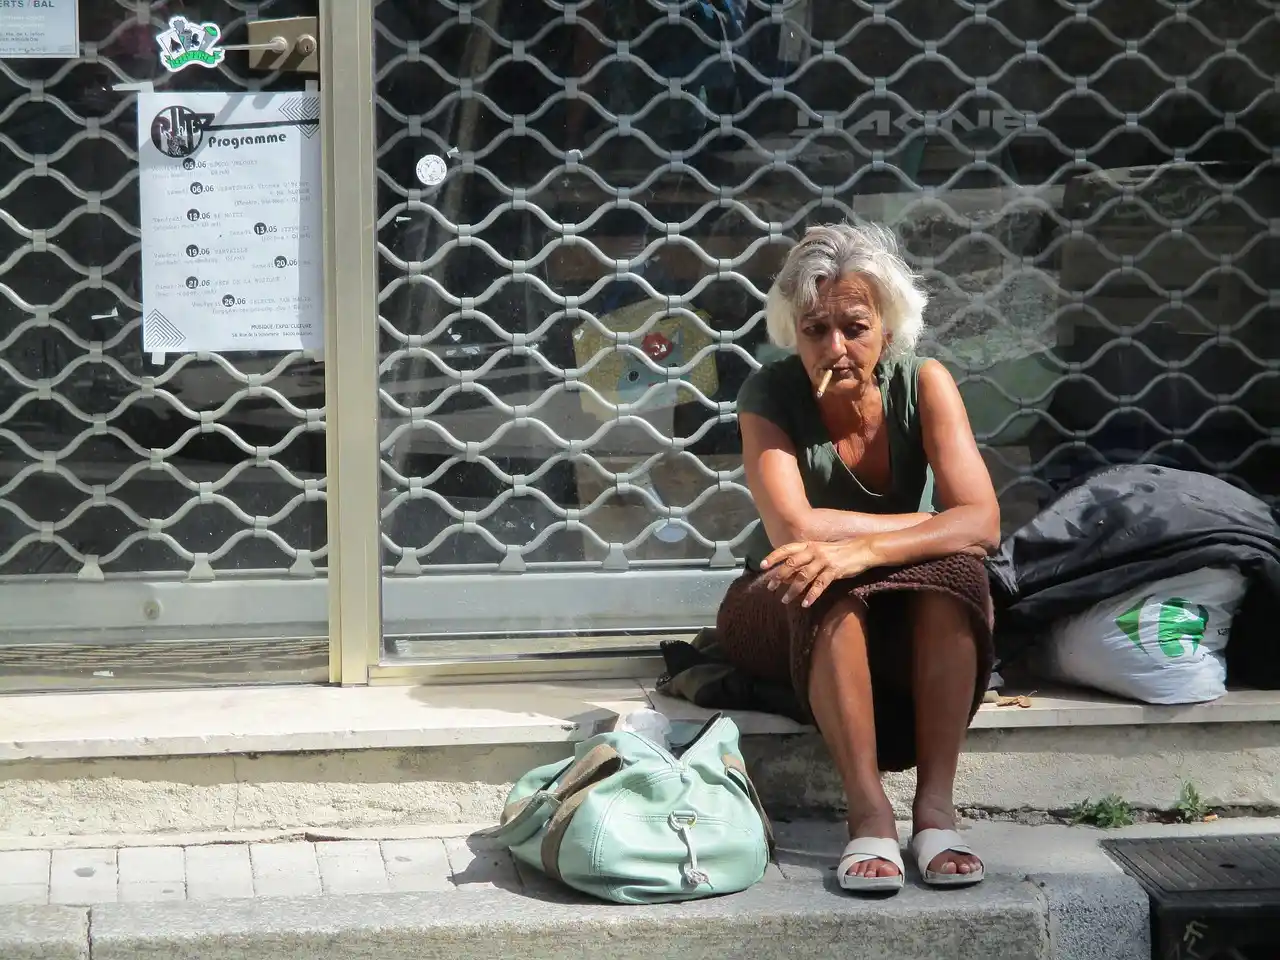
x=874, y=605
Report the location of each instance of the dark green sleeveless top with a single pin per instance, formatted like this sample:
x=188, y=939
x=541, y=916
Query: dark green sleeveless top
x=780, y=392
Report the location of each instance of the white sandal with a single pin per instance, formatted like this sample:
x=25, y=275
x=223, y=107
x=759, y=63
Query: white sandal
x=870, y=848
x=927, y=844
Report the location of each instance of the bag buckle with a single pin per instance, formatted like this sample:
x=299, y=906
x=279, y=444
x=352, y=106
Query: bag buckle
x=682, y=821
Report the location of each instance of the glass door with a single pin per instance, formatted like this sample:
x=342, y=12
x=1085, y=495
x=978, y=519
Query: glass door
x=162, y=441
x=559, y=466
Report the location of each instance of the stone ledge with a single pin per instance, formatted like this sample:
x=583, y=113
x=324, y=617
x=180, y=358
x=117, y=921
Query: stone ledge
x=44, y=933
x=121, y=724
x=1006, y=920
x=1234, y=765
x=1060, y=708
x=1084, y=709
x=300, y=719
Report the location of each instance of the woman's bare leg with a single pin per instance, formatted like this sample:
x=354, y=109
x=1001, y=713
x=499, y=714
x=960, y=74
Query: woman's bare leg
x=944, y=665
x=840, y=698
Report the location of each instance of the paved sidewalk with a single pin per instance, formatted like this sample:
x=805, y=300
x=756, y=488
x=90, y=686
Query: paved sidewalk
x=228, y=870
x=246, y=870
x=1051, y=894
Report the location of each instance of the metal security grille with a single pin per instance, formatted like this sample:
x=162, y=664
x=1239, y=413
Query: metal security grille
x=1089, y=190
x=114, y=466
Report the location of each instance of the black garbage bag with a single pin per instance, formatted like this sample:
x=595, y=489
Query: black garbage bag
x=1126, y=526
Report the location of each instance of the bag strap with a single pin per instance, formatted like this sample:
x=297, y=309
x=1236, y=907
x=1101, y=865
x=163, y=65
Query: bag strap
x=558, y=826
x=521, y=819
x=735, y=764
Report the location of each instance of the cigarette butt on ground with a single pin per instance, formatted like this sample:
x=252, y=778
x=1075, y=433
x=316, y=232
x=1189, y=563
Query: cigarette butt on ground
x=825, y=382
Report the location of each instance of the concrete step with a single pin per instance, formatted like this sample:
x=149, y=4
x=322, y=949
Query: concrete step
x=1050, y=894
x=286, y=760
x=1006, y=922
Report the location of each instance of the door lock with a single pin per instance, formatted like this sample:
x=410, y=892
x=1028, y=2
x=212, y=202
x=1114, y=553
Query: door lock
x=289, y=45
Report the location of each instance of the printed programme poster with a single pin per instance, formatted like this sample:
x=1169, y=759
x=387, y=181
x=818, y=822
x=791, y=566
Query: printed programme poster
x=231, y=222
x=39, y=28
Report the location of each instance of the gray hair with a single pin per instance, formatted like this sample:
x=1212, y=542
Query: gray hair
x=839, y=250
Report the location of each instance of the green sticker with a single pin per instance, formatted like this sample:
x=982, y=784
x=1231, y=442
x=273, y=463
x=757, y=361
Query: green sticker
x=186, y=43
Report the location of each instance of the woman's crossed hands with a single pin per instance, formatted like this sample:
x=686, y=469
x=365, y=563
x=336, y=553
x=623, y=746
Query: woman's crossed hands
x=808, y=567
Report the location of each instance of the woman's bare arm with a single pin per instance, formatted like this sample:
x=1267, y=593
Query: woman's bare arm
x=773, y=476
x=970, y=519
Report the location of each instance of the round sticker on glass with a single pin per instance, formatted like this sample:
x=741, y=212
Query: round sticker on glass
x=431, y=170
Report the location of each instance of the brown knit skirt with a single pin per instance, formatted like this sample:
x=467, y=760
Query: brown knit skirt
x=766, y=638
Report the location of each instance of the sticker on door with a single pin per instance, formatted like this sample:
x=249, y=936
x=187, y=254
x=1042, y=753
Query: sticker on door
x=187, y=43
x=431, y=170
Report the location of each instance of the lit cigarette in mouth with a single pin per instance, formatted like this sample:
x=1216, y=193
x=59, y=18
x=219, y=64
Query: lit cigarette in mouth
x=824, y=383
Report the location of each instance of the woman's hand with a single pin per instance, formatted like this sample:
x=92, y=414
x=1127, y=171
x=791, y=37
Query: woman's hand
x=808, y=567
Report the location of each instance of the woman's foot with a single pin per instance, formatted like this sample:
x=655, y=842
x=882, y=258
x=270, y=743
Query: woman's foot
x=943, y=817
x=878, y=825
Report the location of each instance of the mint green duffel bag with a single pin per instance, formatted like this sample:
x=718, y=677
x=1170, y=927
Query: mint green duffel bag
x=629, y=821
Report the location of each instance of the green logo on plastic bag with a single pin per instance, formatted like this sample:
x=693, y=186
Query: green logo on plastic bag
x=1179, y=620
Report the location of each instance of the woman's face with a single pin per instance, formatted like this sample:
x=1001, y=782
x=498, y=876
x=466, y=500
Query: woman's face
x=842, y=333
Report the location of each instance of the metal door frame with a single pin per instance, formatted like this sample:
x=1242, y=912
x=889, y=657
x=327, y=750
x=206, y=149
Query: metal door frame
x=351, y=327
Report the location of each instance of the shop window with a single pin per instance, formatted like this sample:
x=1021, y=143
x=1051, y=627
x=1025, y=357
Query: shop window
x=1087, y=190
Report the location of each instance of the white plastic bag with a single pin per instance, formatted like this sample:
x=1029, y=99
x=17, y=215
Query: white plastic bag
x=1162, y=643
x=647, y=723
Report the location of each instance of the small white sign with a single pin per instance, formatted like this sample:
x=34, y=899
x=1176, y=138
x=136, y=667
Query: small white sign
x=39, y=28
x=231, y=222
x=431, y=170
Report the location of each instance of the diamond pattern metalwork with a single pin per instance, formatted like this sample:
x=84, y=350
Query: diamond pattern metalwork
x=1089, y=189
x=112, y=465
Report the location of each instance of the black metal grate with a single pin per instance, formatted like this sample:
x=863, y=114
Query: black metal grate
x=1198, y=865
x=1212, y=898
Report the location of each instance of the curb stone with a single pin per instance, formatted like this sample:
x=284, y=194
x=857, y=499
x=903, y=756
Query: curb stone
x=44, y=933
x=1096, y=916
x=1004, y=919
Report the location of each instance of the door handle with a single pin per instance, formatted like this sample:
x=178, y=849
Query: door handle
x=275, y=44
x=289, y=45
